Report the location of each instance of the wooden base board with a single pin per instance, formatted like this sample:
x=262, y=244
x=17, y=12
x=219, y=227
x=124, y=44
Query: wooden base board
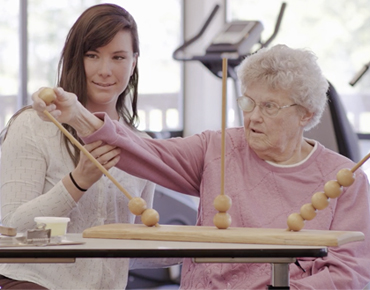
x=230, y=235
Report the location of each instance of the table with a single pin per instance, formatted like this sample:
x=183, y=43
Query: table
x=280, y=256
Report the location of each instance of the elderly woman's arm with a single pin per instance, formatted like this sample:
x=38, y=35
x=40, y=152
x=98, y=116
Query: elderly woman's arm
x=139, y=158
x=175, y=163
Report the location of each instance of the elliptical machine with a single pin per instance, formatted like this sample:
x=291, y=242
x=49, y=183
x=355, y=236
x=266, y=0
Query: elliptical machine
x=234, y=42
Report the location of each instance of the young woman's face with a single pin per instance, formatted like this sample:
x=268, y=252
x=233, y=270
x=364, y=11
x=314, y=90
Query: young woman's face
x=108, y=70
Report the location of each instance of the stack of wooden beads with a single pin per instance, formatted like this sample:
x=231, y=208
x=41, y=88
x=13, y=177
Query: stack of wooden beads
x=149, y=216
x=320, y=200
x=222, y=219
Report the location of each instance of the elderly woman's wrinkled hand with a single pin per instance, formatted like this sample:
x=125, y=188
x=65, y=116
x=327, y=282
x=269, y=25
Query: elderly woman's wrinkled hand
x=64, y=108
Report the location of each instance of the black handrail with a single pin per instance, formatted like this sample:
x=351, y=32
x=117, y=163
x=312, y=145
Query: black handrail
x=359, y=75
x=199, y=34
x=277, y=25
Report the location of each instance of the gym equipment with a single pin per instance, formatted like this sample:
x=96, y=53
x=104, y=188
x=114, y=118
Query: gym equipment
x=234, y=42
x=335, y=131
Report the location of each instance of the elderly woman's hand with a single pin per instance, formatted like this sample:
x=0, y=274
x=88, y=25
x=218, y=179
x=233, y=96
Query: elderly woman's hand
x=67, y=109
x=64, y=108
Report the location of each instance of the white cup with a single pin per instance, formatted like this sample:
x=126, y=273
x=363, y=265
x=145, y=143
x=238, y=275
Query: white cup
x=58, y=225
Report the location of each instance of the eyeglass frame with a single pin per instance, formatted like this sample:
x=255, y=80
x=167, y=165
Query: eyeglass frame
x=263, y=107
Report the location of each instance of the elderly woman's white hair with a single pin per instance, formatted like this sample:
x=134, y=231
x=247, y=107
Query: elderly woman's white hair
x=294, y=71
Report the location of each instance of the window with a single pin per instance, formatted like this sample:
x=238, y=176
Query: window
x=48, y=24
x=9, y=59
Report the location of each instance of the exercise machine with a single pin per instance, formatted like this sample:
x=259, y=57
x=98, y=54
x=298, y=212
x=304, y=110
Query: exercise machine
x=235, y=41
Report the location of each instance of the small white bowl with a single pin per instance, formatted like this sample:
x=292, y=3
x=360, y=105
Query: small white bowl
x=58, y=225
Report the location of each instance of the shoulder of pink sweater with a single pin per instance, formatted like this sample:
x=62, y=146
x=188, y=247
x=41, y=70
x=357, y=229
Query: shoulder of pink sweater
x=335, y=158
x=330, y=162
x=233, y=135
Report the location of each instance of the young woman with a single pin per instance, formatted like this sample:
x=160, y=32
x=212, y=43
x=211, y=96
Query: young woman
x=43, y=174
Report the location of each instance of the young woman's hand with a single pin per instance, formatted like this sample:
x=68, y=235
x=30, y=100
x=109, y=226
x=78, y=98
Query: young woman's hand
x=86, y=173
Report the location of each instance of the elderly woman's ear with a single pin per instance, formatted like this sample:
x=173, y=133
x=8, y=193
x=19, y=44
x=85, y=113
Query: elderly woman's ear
x=306, y=117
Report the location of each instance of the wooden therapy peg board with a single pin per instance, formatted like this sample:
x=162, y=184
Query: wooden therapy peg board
x=230, y=235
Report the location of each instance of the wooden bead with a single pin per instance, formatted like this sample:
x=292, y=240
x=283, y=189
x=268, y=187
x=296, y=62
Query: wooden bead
x=308, y=212
x=222, y=203
x=319, y=200
x=333, y=189
x=150, y=217
x=222, y=220
x=137, y=205
x=47, y=95
x=345, y=177
x=295, y=222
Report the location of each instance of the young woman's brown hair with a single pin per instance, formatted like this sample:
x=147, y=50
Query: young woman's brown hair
x=95, y=28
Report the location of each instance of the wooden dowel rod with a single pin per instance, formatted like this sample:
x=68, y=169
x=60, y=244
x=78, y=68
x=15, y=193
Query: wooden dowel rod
x=223, y=125
x=87, y=153
x=359, y=164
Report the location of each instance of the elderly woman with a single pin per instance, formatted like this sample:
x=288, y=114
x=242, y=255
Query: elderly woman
x=271, y=170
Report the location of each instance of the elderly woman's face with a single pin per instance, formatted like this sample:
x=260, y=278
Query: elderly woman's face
x=274, y=128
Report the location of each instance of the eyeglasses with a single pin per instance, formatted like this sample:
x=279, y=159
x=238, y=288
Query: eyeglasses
x=268, y=109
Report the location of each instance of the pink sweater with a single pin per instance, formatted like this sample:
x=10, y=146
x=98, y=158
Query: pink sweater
x=263, y=196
